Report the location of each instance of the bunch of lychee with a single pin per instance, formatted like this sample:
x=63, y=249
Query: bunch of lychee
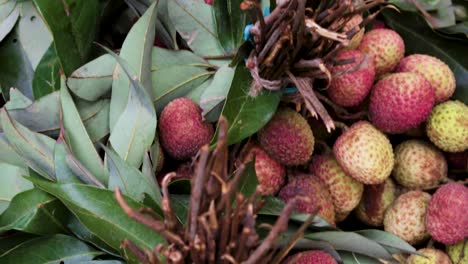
x=403, y=168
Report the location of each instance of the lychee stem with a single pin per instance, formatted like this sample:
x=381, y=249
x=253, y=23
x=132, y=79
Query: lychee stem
x=341, y=126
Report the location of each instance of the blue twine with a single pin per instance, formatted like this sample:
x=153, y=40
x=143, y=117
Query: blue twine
x=289, y=90
x=247, y=36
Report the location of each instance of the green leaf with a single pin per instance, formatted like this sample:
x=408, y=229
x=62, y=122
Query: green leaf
x=8, y=23
x=54, y=249
x=73, y=24
x=195, y=23
x=246, y=114
x=102, y=262
x=196, y=92
x=80, y=231
x=459, y=30
x=10, y=241
x=273, y=206
x=136, y=127
x=100, y=213
x=15, y=66
x=94, y=79
x=8, y=154
x=33, y=33
x=392, y=243
x=36, y=149
x=230, y=23
x=169, y=85
x=249, y=182
x=352, y=242
x=216, y=93
x=148, y=170
x=6, y=8
x=43, y=115
x=62, y=172
x=136, y=50
x=17, y=100
x=419, y=38
x=47, y=77
x=354, y=258
x=128, y=179
x=12, y=183
x=180, y=204
x=77, y=137
x=36, y=212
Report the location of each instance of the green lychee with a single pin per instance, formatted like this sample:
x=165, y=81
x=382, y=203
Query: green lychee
x=434, y=70
x=270, y=174
x=375, y=201
x=400, y=102
x=287, y=138
x=419, y=165
x=182, y=131
x=447, y=126
x=385, y=46
x=311, y=256
x=458, y=252
x=405, y=217
x=431, y=256
x=351, y=82
x=311, y=187
x=446, y=218
x=346, y=192
x=364, y=153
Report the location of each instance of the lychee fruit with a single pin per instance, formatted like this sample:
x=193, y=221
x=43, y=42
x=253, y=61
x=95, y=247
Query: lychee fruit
x=458, y=252
x=375, y=201
x=351, y=82
x=287, y=138
x=386, y=48
x=364, y=153
x=446, y=218
x=434, y=70
x=346, y=192
x=431, y=256
x=182, y=130
x=405, y=217
x=447, y=126
x=400, y=101
x=419, y=165
x=311, y=187
x=311, y=256
x=270, y=174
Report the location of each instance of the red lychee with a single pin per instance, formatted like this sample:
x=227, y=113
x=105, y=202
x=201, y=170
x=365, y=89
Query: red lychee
x=351, y=82
x=385, y=46
x=287, y=138
x=311, y=257
x=446, y=218
x=270, y=173
x=182, y=130
x=313, y=188
x=400, y=102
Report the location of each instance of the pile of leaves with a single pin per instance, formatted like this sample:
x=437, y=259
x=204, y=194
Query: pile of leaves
x=78, y=121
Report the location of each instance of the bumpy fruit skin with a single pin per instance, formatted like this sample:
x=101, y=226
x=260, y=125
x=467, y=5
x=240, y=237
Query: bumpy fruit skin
x=419, y=165
x=375, y=201
x=313, y=188
x=401, y=101
x=351, y=82
x=458, y=252
x=182, y=130
x=346, y=192
x=270, y=174
x=434, y=70
x=446, y=218
x=311, y=256
x=287, y=138
x=432, y=256
x=405, y=217
x=364, y=153
x=447, y=126
x=385, y=46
